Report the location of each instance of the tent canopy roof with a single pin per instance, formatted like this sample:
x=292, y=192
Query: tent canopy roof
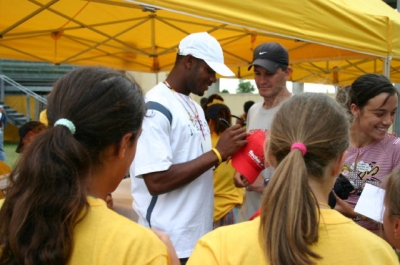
x=323, y=37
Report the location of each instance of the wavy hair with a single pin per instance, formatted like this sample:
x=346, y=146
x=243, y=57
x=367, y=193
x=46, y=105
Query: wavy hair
x=49, y=185
x=290, y=211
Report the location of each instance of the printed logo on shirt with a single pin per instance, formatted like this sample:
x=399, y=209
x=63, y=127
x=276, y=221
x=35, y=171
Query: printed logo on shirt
x=365, y=173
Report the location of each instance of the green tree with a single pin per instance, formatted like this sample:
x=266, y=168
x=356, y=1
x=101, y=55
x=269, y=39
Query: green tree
x=245, y=87
x=225, y=91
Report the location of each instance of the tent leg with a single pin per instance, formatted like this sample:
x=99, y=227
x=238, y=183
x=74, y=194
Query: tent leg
x=298, y=88
x=386, y=66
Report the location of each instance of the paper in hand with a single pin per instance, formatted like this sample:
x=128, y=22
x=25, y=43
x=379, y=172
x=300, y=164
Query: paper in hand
x=370, y=203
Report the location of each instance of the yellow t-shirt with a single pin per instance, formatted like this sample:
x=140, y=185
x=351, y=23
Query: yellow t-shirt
x=341, y=241
x=104, y=237
x=226, y=195
x=43, y=117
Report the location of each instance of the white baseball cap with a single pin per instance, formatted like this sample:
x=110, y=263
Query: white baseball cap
x=203, y=46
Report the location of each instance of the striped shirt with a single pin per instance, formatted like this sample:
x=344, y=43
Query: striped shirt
x=370, y=164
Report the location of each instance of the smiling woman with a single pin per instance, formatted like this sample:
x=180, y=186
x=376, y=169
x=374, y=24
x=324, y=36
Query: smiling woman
x=371, y=102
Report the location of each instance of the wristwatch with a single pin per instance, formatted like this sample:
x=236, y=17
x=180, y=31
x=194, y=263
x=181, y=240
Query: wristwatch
x=358, y=218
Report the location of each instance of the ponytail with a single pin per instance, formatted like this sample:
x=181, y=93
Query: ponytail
x=288, y=234
x=49, y=184
x=301, y=145
x=91, y=109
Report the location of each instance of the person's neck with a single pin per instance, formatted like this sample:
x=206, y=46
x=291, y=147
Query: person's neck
x=359, y=139
x=175, y=81
x=272, y=102
x=321, y=191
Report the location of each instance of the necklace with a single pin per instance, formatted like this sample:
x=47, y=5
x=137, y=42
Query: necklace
x=193, y=118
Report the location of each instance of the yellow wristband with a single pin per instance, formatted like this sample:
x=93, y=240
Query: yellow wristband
x=218, y=155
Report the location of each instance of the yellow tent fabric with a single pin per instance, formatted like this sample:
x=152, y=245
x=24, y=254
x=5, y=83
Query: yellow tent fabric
x=358, y=25
x=328, y=41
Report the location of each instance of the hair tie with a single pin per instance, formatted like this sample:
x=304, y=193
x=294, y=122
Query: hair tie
x=300, y=146
x=67, y=123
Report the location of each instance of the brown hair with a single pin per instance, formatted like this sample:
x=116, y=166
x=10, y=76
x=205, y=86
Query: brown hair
x=343, y=98
x=369, y=86
x=216, y=110
x=392, y=194
x=47, y=196
x=289, y=219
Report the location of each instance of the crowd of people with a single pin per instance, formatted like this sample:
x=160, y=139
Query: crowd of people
x=206, y=191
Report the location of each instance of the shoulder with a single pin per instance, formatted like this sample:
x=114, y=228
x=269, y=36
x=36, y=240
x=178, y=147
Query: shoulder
x=245, y=232
x=160, y=93
x=114, y=239
x=390, y=145
x=256, y=106
x=107, y=220
x=391, y=139
x=338, y=233
x=221, y=246
x=107, y=225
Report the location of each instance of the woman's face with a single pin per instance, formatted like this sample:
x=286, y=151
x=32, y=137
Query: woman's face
x=375, y=118
x=391, y=226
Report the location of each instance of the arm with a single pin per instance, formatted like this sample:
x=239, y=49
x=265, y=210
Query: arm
x=180, y=174
x=173, y=257
x=239, y=180
x=242, y=182
x=258, y=185
x=344, y=208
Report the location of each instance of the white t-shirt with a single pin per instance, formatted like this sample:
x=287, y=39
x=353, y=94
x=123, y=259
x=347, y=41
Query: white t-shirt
x=258, y=118
x=186, y=213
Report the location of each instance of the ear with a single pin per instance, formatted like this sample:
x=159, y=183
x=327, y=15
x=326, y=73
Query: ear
x=354, y=110
x=270, y=161
x=29, y=135
x=211, y=124
x=338, y=165
x=123, y=145
x=189, y=61
x=396, y=224
x=288, y=72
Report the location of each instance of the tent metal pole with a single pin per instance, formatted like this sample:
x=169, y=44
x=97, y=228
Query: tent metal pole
x=386, y=66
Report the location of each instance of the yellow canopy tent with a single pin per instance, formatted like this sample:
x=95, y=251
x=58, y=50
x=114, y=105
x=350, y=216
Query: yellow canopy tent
x=329, y=41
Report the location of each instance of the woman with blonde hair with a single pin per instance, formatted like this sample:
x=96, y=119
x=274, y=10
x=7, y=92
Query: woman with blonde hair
x=307, y=144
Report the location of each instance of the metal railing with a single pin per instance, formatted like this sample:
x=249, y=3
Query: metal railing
x=14, y=117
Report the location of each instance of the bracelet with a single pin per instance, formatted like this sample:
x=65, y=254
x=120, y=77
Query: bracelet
x=218, y=155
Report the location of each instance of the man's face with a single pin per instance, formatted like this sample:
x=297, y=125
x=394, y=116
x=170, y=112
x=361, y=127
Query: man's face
x=201, y=76
x=270, y=85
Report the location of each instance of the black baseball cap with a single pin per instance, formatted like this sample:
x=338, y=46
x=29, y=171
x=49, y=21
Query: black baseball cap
x=270, y=56
x=24, y=129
